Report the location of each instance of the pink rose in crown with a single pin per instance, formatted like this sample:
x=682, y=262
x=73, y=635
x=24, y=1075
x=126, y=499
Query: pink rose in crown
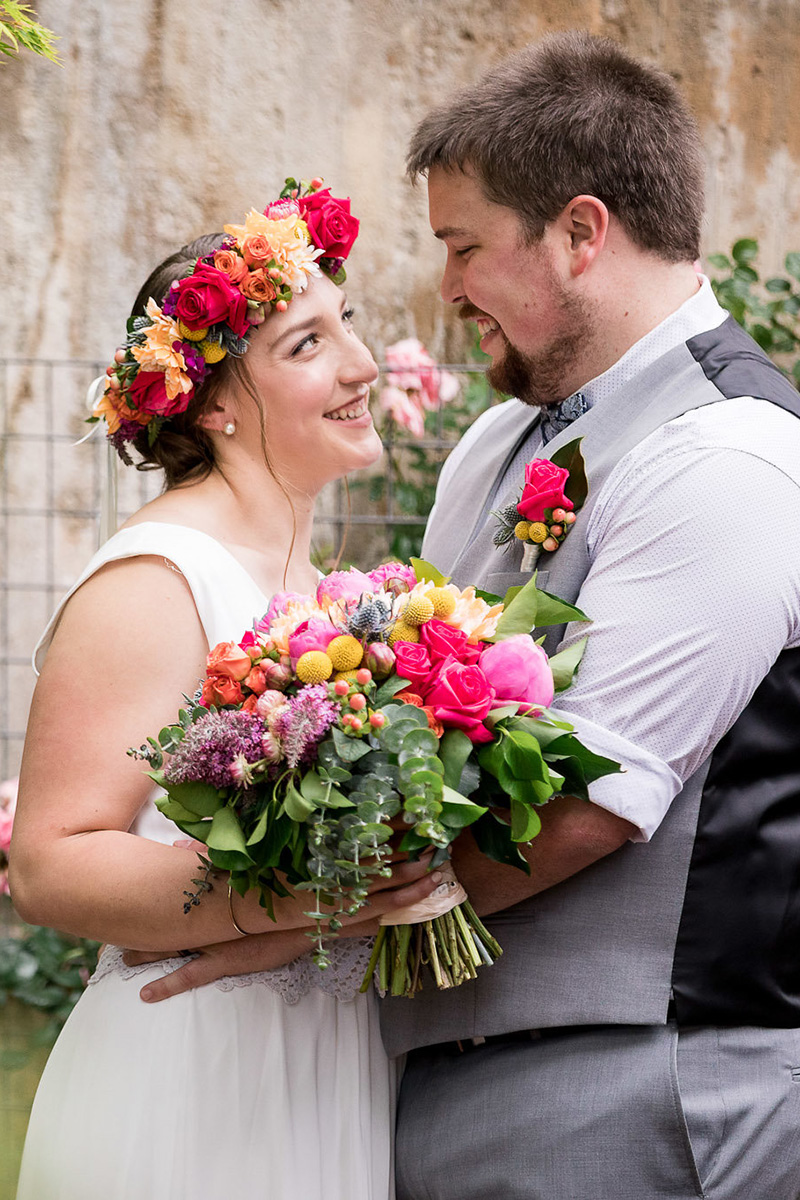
x=208, y=296
x=148, y=393
x=544, y=488
x=343, y=585
x=460, y=697
x=329, y=222
x=518, y=670
x=314, y=634
x=443, y=641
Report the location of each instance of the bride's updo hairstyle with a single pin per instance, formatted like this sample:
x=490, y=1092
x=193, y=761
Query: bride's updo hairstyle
x=188, y=332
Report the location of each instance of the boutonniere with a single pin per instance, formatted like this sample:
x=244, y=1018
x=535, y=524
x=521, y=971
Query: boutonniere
x=554, y=492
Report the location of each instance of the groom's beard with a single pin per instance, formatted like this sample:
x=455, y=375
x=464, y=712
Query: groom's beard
x=538, y=379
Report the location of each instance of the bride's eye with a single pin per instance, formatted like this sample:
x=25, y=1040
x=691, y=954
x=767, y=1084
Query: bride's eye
x=310, y=340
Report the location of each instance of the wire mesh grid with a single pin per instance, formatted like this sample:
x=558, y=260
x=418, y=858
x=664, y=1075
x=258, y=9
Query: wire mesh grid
x=50, y=491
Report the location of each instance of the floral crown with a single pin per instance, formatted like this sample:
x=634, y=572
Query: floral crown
x=207, y=315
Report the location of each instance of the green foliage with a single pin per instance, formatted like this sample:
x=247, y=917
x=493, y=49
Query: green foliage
x=19, y=30
x=767, y=309
x=46, y=970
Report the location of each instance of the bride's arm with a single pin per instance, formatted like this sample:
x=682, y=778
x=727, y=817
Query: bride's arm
x=129, y=644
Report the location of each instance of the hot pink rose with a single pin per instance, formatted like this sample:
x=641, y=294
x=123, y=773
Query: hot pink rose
x=208, y=296
x=460, y=697
x=329, y=222
x=148, y=392
x=518, y=670
x=413, y=662
x=544, y=488
x=442, y=640
x=314, y=634
x=343, y=585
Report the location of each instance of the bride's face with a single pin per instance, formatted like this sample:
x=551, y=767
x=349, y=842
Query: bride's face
x=313, y=376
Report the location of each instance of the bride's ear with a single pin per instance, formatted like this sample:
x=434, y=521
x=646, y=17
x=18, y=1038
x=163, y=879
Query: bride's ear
x=216, y=417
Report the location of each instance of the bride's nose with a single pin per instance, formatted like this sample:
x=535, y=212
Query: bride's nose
x=358, y=366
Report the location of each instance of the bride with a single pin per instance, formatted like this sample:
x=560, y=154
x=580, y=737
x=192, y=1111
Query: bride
x=273, y=1084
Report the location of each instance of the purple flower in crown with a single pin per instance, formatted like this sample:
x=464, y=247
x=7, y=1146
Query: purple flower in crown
x=303, y=724
x=196, y=366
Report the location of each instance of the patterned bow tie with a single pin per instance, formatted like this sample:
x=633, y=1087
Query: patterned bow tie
x=561, y=415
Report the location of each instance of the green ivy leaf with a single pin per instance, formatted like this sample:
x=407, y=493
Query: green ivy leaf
x=427, y=572
x=200, y=799
x=297, y=806
x=493, y=837
x=744, y=251
x=778, y=285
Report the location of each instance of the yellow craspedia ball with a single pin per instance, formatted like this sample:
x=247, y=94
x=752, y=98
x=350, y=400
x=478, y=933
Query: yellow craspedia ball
x=348, y=676
x=313, y=667
x=444, y=603
x=537, y=531
x=418, y=610
x=345, y=652
x=212, y=352
x=403, y=633
x=191, y=335
x=522, y=530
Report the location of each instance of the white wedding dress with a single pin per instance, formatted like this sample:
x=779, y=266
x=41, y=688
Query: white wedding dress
x=273, y=1086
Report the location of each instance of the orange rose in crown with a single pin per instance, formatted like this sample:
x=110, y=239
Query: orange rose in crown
x=554, y=492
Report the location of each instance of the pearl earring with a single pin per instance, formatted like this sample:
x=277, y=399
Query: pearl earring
x=230, y=429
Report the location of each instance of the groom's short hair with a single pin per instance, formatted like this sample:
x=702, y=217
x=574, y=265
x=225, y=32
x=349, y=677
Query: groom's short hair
x=571, y=115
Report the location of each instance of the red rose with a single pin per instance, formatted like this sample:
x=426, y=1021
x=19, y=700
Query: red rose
x=544, y=488
x=329, y=222
x=460, y=697
x=208, y=296
x=412, y=662
x=442, y=640
x=148, y=393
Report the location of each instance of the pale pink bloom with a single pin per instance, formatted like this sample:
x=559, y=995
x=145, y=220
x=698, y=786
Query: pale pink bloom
x=404, y=408
x=413, y=369
x=343, y=585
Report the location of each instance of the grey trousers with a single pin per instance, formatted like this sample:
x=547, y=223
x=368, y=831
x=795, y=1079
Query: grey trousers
x=612, y=1113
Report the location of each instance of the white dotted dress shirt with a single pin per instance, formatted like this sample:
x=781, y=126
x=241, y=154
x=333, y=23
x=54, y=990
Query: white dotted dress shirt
x=694, y=584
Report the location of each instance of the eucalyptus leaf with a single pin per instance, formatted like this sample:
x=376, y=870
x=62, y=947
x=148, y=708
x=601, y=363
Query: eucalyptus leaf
x=421, y=741
x=349, y=749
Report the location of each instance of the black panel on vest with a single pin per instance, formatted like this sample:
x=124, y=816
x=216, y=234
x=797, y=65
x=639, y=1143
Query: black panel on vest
x=737, y=956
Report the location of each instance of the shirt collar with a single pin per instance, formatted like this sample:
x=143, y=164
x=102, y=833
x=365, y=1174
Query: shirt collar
x=698, y=314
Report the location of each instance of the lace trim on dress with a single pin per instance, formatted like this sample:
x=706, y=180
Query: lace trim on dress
x=342, y=979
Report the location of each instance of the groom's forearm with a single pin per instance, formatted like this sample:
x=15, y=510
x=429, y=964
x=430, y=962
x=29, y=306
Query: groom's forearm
x=574, y=835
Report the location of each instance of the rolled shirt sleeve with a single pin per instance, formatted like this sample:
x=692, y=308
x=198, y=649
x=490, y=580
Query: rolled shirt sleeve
x=693, y=592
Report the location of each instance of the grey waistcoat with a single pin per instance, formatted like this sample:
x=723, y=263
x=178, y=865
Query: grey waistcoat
x=599, y=947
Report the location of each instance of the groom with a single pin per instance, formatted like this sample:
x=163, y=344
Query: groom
x=639, y=1038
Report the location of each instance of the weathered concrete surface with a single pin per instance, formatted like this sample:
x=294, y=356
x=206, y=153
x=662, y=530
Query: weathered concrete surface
x=167, y=121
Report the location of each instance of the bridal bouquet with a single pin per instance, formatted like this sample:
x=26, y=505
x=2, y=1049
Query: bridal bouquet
x=388, y=701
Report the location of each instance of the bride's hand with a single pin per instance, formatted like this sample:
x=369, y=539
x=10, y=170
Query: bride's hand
x=409, y=883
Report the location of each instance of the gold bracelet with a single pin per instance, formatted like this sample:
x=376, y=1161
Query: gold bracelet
x=234, y=922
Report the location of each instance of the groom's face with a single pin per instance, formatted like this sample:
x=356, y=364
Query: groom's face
x=517, y=292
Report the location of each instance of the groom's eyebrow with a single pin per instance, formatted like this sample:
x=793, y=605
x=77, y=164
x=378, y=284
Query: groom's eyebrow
x=451, y=231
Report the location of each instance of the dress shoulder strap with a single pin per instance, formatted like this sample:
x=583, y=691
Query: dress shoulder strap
x=227, y=598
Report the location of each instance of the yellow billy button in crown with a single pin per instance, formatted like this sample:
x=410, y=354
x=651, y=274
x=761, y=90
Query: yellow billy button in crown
x=191, y=335
x=212, y=352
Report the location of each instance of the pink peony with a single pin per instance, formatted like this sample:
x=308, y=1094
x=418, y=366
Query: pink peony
x=343, y=585
x=393, y=570
x=518, y=670
x=314, y=634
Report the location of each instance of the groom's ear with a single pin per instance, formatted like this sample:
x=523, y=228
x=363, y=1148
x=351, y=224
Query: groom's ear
x=583, y=225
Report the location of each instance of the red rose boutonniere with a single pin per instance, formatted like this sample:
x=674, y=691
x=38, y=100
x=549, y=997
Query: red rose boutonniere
x=553, y=494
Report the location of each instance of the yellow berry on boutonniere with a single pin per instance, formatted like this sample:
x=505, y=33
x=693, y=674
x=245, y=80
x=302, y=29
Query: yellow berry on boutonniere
x=522, y=530
x=537, y=532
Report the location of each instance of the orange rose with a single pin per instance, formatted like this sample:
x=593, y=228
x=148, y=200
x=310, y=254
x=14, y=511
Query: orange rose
x=229, y=659
x=435, y=726
x=232, y=264
x=256, y=681
x=258, y=286
x=219, y=690
x=250, y=704
x=257, y=250
x=410, y=698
